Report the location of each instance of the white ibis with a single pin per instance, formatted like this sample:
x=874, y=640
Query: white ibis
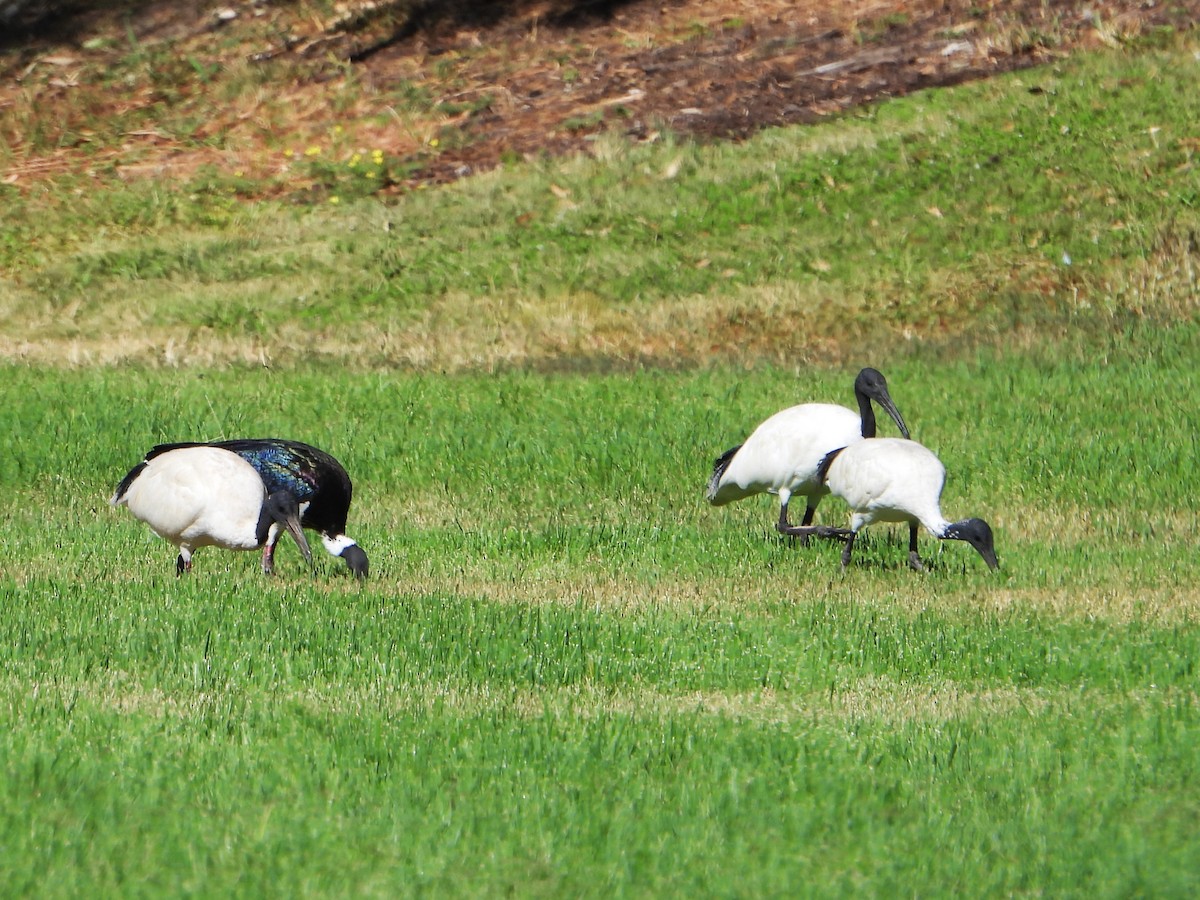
x=782, y=455
x=207, y=497
x=894, y=480
x=318, y=482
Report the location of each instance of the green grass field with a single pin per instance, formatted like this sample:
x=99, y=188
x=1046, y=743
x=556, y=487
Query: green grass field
x=568, y=675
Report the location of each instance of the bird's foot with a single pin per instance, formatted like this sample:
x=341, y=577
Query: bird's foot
x=914, y=562
x=837, y=534
x=847, y=549
x=796, y=531
x=804, y=532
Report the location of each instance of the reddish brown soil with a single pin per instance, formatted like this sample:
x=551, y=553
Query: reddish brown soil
x=743, y=67
x=507, y=80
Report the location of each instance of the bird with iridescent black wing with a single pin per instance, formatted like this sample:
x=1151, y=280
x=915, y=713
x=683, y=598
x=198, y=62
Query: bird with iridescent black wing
x=319, y=483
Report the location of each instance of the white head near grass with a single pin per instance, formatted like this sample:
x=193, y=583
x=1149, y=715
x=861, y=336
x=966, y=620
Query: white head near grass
x=782, y=454
x=893, y=480
x=207, y=497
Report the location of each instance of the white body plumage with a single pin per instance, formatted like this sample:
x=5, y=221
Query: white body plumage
x=890, y=480
x=895, y=480
x=782, y=455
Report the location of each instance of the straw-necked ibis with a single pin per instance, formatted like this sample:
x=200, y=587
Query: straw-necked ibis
x=207, y=497
x=319, y=483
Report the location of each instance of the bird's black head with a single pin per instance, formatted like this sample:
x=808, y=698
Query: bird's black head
x=978, y=534
x=356, y=559
x=871, y=382
x=871, y=385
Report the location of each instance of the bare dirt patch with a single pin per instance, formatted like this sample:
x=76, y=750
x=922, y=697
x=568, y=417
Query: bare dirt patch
x=453, y=88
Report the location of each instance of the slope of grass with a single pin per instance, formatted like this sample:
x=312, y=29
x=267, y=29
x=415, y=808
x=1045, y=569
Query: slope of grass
x=978, y=213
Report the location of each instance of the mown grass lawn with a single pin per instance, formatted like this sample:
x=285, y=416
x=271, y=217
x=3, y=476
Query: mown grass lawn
x=567, y=674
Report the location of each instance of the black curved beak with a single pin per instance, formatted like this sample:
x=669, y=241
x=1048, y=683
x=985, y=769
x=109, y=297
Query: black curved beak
x=885, y=402
x=292, y=524
x=989, y=557
x=285, y=510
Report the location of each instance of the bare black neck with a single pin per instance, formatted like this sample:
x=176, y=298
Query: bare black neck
x=867, y=412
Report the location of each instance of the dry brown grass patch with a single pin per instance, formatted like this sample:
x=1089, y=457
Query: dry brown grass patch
x=869, y=699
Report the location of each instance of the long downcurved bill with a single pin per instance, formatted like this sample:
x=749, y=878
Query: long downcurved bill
x=989, y=557
x=291, y=521
x=885, y=401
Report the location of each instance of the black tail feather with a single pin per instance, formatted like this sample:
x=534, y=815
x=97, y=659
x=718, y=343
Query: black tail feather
x=160, y=449
x=823, y=468
x=719, y=466
x=126, y=482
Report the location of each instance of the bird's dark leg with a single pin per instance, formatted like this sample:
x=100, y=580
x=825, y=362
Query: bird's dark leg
x=848, y=549
x=783, y=526
x=809, y=512
x=807, y=530
x=183, y=564
x=914, y=560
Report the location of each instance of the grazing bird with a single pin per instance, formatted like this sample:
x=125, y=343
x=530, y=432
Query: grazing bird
x=893, y=480
x=317, y=481
x=782, y=455
x=207, y=497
